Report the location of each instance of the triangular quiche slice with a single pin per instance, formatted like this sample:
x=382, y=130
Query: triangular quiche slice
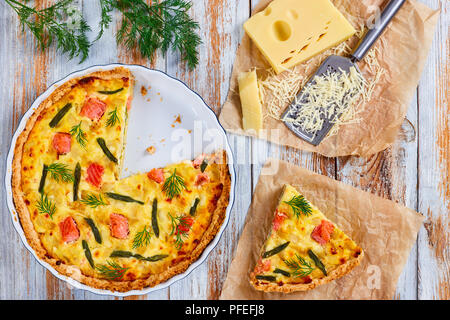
x=304, y=249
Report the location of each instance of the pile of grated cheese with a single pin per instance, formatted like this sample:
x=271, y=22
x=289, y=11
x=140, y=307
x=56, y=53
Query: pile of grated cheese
x=283, y=89
x=327, y=98
x=279, y=91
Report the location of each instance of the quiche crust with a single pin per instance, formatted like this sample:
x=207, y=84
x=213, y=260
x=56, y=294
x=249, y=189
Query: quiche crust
x=338, y=272
x=288, y=288
x=73, y=271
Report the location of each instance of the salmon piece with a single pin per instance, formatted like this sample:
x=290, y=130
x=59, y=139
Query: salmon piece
x=69, y=230
x=118, y=225
x=278, y=220
x=156, y=175
x=93, y=108
x=262, y=267
x=322, y=233
x=62, y=142
x=201, y=179
x=94, y=174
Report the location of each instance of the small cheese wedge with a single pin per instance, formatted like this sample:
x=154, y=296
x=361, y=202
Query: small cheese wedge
x=251, y=104
x=289, y=32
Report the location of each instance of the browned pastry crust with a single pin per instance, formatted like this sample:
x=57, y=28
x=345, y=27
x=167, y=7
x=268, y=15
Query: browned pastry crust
x=291, y=287
x=73, y=271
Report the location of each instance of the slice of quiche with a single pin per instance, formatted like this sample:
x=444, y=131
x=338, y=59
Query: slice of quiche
x=304, y=249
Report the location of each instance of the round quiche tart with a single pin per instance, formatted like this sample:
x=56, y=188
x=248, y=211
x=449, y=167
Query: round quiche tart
x=79, y=217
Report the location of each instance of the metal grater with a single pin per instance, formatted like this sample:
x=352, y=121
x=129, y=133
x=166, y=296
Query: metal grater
x=337, y=63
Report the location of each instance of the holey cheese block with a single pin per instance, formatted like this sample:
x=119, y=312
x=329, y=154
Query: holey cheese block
x=304, y=249
x=81, y=218
x=289, y=32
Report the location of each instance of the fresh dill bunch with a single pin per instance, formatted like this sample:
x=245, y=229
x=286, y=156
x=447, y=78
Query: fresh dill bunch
x=79, y=134
x=159, y=24
x=142, y=238
x=105, y=18
x=46, y=206
x=93, y=201
x=60, y=172
x=112, y=271
x=113, y=118
x=299, y=206
x=173, y=185
x=299, y=267
x=53, y=25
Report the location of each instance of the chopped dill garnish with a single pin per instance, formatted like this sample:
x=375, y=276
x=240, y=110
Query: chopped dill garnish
x=79, y=134
x=46, y=206
x=113, y=118
x=60, y=172
x=299, y=206
x=300, y=268
x=174, y=185
x=94, y=201
x=142, y=238
x=112, y=271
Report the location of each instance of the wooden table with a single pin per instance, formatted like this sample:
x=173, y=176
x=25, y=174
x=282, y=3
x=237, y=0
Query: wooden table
x=414, y=171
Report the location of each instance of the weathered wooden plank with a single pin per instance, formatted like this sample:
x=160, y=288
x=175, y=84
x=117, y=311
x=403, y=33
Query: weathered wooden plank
x=218, y=20
x=434, y=166
x=391, y=174
x=24, y=75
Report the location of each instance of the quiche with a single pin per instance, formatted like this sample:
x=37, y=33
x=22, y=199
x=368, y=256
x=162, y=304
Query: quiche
x=78, y=216
x=304, y=249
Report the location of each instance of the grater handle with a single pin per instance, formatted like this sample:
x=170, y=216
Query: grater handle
x=373, y=34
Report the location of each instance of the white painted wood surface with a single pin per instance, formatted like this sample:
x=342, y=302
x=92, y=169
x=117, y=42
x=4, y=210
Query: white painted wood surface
x=413, y=172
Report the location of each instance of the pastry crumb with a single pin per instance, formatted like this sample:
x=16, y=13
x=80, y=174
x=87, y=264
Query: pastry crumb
x=151, y=150
x=143, y=91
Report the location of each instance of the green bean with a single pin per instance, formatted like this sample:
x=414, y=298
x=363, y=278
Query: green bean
x=194, y=207
x=101, y=142
x=87, y=253
x=123, y=198
x=155, y=218
x=275, y=250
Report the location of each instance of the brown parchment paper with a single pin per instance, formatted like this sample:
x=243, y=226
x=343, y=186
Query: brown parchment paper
x=402, y=51
x=384, y=229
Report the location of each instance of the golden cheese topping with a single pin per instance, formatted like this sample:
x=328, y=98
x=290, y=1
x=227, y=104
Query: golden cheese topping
x=303, y=244
x=114, y=229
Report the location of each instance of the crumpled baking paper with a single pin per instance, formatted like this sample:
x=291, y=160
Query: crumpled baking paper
x=384, y=229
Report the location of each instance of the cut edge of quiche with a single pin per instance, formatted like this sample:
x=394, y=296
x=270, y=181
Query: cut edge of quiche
x=33, y=238
x=303, y=249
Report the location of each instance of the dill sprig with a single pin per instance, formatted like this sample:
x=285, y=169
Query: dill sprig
x=93, y=201
x=105, y=18
x=299, y=206
x=113, y=118
x=112, y=271
x=48, y=27
x=158, y=24
x=46, y=206
x=300, y=268
x=79, y=134
x=142, y=238
x=60, y=172
x=180, y=228
x=173, y=185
